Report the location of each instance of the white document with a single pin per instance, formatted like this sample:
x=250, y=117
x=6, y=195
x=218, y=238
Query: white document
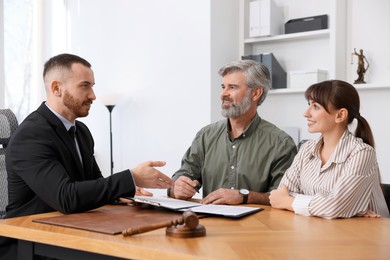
x=225, y=210
x=165, y=202
x=182, y=205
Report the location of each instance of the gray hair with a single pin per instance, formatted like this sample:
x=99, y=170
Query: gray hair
x=257, y=75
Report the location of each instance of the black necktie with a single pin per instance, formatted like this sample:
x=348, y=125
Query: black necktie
x=72, y=133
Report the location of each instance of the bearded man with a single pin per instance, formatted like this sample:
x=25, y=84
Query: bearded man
x=241, y=159
x=50, y=158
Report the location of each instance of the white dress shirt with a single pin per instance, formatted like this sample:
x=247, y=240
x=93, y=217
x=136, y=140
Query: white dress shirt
x=347, y=185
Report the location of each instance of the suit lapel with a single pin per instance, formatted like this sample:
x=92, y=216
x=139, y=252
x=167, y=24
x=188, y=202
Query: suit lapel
x=66, y=139
x=70, y=144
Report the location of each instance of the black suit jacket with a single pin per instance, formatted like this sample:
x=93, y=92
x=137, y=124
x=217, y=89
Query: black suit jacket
x=45, y=173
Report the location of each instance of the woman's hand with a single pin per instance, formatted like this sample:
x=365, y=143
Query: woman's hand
x=281, y=199
x=370, y=214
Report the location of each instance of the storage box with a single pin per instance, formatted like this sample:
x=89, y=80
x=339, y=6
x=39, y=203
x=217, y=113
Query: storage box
x=265, y=18
x=277, y=74
x=306, y=24
x=303, y=79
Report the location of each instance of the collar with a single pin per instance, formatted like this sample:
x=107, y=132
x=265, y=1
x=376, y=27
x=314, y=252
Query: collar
x=248, y=130
x=65, y=121
x=340, y=153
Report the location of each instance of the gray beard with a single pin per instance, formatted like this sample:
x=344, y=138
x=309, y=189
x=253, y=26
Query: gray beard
x=238, y=109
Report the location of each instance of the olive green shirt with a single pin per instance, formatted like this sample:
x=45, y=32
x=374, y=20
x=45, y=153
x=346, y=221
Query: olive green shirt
x=256, y=160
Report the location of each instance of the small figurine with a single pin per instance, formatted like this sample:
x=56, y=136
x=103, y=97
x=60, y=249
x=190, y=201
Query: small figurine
x=361, y=69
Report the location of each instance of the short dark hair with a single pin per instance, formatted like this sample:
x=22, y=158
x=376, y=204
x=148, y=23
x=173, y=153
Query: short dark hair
x=64, y=60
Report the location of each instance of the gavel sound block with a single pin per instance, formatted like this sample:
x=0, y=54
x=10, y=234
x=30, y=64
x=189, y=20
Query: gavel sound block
x=187, y=226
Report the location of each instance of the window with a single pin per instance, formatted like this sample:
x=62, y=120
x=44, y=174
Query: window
x=33, y=32
x=19, y=42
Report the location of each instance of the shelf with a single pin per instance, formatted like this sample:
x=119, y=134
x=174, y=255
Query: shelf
x=373, y=86
x=308, y=50
x=364, y=87
x=290, y=37
x=284, y=91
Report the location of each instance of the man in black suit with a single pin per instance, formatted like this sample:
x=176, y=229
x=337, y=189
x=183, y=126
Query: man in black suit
x=51, y=170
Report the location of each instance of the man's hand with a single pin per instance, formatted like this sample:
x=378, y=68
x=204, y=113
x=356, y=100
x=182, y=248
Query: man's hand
x=281, y=199
x=148, y=177
x=184, y=188
x=223, y=196
x=142, y=192
x=138, y=192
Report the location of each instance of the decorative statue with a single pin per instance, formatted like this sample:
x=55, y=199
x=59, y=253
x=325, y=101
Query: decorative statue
x=361, y=69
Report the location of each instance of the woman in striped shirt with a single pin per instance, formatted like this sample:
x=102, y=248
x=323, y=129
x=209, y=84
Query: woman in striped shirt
x=336, y=176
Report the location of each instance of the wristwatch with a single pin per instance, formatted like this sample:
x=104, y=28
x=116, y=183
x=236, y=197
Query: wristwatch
x=244, y=193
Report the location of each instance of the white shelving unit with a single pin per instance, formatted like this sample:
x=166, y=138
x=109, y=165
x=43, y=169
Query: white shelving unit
x=359, y=87
x=312, y=50
x=289, y=37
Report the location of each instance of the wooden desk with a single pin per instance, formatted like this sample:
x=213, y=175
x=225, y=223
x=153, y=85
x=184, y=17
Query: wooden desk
x=269, y=234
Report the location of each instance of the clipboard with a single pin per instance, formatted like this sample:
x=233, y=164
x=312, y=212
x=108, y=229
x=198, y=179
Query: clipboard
x=231, y=211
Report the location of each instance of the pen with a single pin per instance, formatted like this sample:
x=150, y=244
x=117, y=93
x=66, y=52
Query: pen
x=197, y=187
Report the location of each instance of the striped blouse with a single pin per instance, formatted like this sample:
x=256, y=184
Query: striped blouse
x=347, y=185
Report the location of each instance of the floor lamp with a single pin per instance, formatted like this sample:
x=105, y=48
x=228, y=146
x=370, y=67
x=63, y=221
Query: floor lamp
x=109, y=101
x=110, y=108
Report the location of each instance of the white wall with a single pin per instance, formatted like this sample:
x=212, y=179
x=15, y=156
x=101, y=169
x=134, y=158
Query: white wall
x=161, y=57
x=368, y=28
x=224, y=46
x=374, y=107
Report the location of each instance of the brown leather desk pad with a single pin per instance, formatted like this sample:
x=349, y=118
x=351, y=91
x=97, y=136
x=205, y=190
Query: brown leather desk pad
x=113, y=219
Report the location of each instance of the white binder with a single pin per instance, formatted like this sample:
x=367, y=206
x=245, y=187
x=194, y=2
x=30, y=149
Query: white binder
x=265, y=18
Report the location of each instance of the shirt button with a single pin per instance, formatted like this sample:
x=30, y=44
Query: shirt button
x=232, y=167
x=234, y=147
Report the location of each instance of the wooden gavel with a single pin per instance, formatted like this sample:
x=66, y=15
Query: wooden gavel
x=189, y=219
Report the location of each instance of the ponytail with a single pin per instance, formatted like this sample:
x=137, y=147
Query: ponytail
x=363, y=130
